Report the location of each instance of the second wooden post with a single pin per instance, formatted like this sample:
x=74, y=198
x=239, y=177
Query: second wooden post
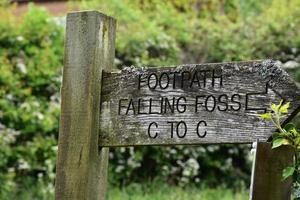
x=267, y=183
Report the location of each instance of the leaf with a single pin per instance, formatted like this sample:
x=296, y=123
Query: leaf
x=287, y=172
x=285, y=108
x=297, y=141
x=275, y=107
x=289, y=126
x=267, y=116
x=277, y=142
x=286, y=142
x=294, y=132
x=276, y=135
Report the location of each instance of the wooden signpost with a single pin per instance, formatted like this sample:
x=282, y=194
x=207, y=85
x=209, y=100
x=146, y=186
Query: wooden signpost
x=186, y=104
x=192, y=104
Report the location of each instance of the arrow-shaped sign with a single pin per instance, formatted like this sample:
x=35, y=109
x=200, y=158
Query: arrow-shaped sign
x=193, y=104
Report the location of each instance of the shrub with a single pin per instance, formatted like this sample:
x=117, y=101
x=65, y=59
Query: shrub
x=30, y=63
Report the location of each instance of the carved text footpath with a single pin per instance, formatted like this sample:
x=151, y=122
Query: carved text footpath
x=199, y=80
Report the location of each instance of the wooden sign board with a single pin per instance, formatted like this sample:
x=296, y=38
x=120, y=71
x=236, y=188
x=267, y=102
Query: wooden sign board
x=192, y=104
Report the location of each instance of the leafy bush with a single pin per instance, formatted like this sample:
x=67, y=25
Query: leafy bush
x=30, y=63
x=202, y=31
x=212, y=165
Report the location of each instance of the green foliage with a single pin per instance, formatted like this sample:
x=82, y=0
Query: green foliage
x=30, y=63
x=287, y=135
x=202, y=31
x=213, y=165
x=287, y=172
x=161, y=191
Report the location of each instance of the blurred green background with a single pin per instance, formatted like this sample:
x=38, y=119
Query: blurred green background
x=150, y=33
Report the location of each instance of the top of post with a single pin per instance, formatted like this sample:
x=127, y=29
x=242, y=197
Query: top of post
x=88, y=13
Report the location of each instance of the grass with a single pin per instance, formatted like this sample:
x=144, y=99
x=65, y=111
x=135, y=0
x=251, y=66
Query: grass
x=134, y=191
x=164, y=192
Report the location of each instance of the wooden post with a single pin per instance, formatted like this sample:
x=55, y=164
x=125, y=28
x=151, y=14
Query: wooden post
x=266, y=180
x=89, y=49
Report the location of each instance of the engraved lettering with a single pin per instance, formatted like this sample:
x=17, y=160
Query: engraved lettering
x=174, y=79
x=149, y=131
x=236, y=99
x=164, y=74
x=185, y=78
x=169, y=105
x=181, y=123
x=182, y=106
x=139, y=107
x=152, y=79
x=198, y=103
x=172, y=127
x=213, y=103
x=198, y=125
x=150, y=107
x=216, y=76
x=140, y=81
x=195, y=79
x=120, y=105
x=223, y=100
x=130, y=107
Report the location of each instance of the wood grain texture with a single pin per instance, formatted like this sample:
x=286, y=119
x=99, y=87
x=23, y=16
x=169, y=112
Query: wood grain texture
x=267, y=183
x=89, y=48
x=249, y=88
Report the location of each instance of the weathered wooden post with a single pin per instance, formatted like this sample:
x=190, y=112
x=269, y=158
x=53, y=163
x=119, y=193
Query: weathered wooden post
x=89, y=49
x=266, y=180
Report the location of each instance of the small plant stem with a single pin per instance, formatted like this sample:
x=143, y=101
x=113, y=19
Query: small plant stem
x=278, y=126
x=277, y=122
